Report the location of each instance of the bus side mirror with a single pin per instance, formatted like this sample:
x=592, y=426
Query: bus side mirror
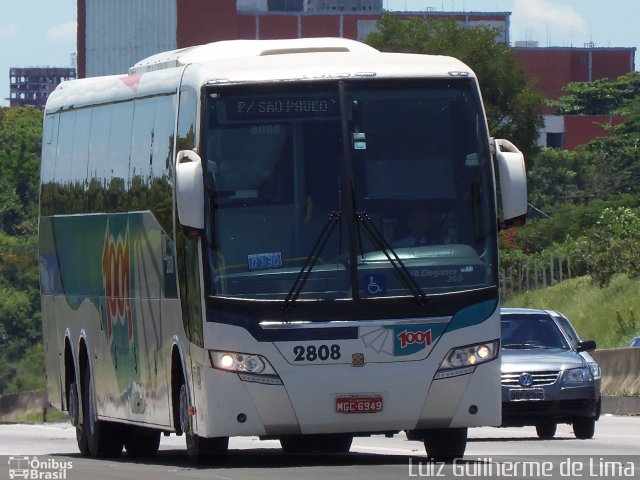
x=513, y=183
x=190, y=192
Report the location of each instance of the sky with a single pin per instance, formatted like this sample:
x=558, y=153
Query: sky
x=43, y=32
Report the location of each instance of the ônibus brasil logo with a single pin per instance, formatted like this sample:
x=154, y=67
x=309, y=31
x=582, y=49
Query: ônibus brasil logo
x=36, y=469
x=117, y=282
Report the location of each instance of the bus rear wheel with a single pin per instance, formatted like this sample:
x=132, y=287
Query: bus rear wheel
x=103, y=439
x=199, y=449
x=445, y=444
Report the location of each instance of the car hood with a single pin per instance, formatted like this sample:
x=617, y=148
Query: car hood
x=539, y=359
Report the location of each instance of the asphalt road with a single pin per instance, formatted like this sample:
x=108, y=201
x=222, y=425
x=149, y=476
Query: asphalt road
x=614, y=452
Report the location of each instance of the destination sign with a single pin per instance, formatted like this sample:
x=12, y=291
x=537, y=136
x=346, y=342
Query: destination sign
x=280, y=107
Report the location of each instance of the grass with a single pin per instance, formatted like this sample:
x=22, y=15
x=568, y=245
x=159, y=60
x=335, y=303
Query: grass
x=609, y=315
x=53, y=416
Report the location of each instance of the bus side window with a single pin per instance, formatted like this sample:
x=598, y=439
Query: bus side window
x=119, y=153
x=48, y=164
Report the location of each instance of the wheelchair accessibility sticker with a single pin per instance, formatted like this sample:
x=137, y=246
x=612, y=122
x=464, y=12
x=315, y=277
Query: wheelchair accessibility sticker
x=374, y=285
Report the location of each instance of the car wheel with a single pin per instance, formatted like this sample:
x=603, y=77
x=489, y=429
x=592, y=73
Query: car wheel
x=584, y=428
x=546, y=430
x=445, y=444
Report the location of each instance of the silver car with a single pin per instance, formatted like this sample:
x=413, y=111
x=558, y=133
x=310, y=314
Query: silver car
x=548, y=376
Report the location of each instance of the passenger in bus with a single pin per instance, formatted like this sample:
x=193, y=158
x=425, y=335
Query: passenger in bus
x=417, y=224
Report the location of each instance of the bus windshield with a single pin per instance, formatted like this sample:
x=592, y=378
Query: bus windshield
x=374, y=189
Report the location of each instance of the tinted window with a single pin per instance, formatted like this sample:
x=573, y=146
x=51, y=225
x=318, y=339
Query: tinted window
x=531, y=331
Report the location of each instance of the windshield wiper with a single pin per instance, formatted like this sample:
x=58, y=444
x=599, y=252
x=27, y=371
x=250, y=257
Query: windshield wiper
x=522, y=346
x=311, y=260
x=381, y=244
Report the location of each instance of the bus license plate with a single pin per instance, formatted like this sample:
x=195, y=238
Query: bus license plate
x=356, y=404
x=530, y=394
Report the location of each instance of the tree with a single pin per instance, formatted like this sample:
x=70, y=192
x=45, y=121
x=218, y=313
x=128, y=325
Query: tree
x=20, y=140
x=602, y=97
x=20, y=330
x=511, y=103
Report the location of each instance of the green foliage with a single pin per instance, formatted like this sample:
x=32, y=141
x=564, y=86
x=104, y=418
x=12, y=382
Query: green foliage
x=591, y=309
x=511, y=103
x=602, y=97
x=626, y=326
x=20, y=140
x=21, y=359
x=616, y=244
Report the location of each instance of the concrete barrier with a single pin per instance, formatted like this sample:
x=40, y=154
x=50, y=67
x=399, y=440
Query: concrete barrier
x=16, y=407
x=620, y=370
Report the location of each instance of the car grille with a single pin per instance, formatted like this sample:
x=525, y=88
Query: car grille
x=539, y=378
x=518, y=408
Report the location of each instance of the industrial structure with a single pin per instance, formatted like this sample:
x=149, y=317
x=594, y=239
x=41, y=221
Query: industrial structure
x=32, y=85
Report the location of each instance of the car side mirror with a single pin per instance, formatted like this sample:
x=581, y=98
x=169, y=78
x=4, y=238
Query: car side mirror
x=586, y=346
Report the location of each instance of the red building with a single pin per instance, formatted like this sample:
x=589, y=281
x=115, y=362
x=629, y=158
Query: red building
x=112, y=36
x=554, y=67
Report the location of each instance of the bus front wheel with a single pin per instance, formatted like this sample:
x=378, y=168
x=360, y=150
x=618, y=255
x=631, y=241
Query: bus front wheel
x=445, y=444
x=199, y=449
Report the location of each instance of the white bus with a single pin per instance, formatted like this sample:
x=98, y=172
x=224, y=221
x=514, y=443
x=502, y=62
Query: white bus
x=290, y=239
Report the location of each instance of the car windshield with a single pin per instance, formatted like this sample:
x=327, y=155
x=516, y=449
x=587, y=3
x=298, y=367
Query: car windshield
x=531, y=331
x=315, y=190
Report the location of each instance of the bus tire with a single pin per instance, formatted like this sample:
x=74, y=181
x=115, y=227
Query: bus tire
x=445, y=444
x=199, y=449
x=142, y=442
x=75, y=413
x=104, y=439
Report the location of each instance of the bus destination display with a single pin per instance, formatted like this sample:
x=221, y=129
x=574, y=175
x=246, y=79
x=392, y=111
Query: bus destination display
x=280, y=107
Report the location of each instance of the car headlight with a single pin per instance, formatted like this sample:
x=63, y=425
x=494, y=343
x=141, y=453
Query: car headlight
x=249, y=367
x=462, y=360
x=578, y=375
x=595, y=370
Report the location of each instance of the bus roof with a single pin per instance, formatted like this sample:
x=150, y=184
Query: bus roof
x=245, y=61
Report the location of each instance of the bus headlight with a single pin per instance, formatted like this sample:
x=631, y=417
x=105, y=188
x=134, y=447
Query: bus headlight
x=248, y=366
x=462, y=360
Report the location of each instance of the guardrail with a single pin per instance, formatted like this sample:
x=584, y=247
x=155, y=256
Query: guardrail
x=620, y=370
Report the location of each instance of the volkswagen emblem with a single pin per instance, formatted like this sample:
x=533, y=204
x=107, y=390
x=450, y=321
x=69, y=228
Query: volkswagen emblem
x=525, y=379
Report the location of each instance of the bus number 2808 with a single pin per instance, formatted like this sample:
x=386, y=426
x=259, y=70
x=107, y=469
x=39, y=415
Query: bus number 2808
x=311, y=353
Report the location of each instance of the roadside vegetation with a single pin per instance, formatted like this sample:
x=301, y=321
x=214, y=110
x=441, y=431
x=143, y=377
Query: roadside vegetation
x=585, y=204
x=610, y=315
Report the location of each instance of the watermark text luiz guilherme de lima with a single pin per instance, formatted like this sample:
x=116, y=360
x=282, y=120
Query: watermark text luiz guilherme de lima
x=584, y=467
x=33, y=468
